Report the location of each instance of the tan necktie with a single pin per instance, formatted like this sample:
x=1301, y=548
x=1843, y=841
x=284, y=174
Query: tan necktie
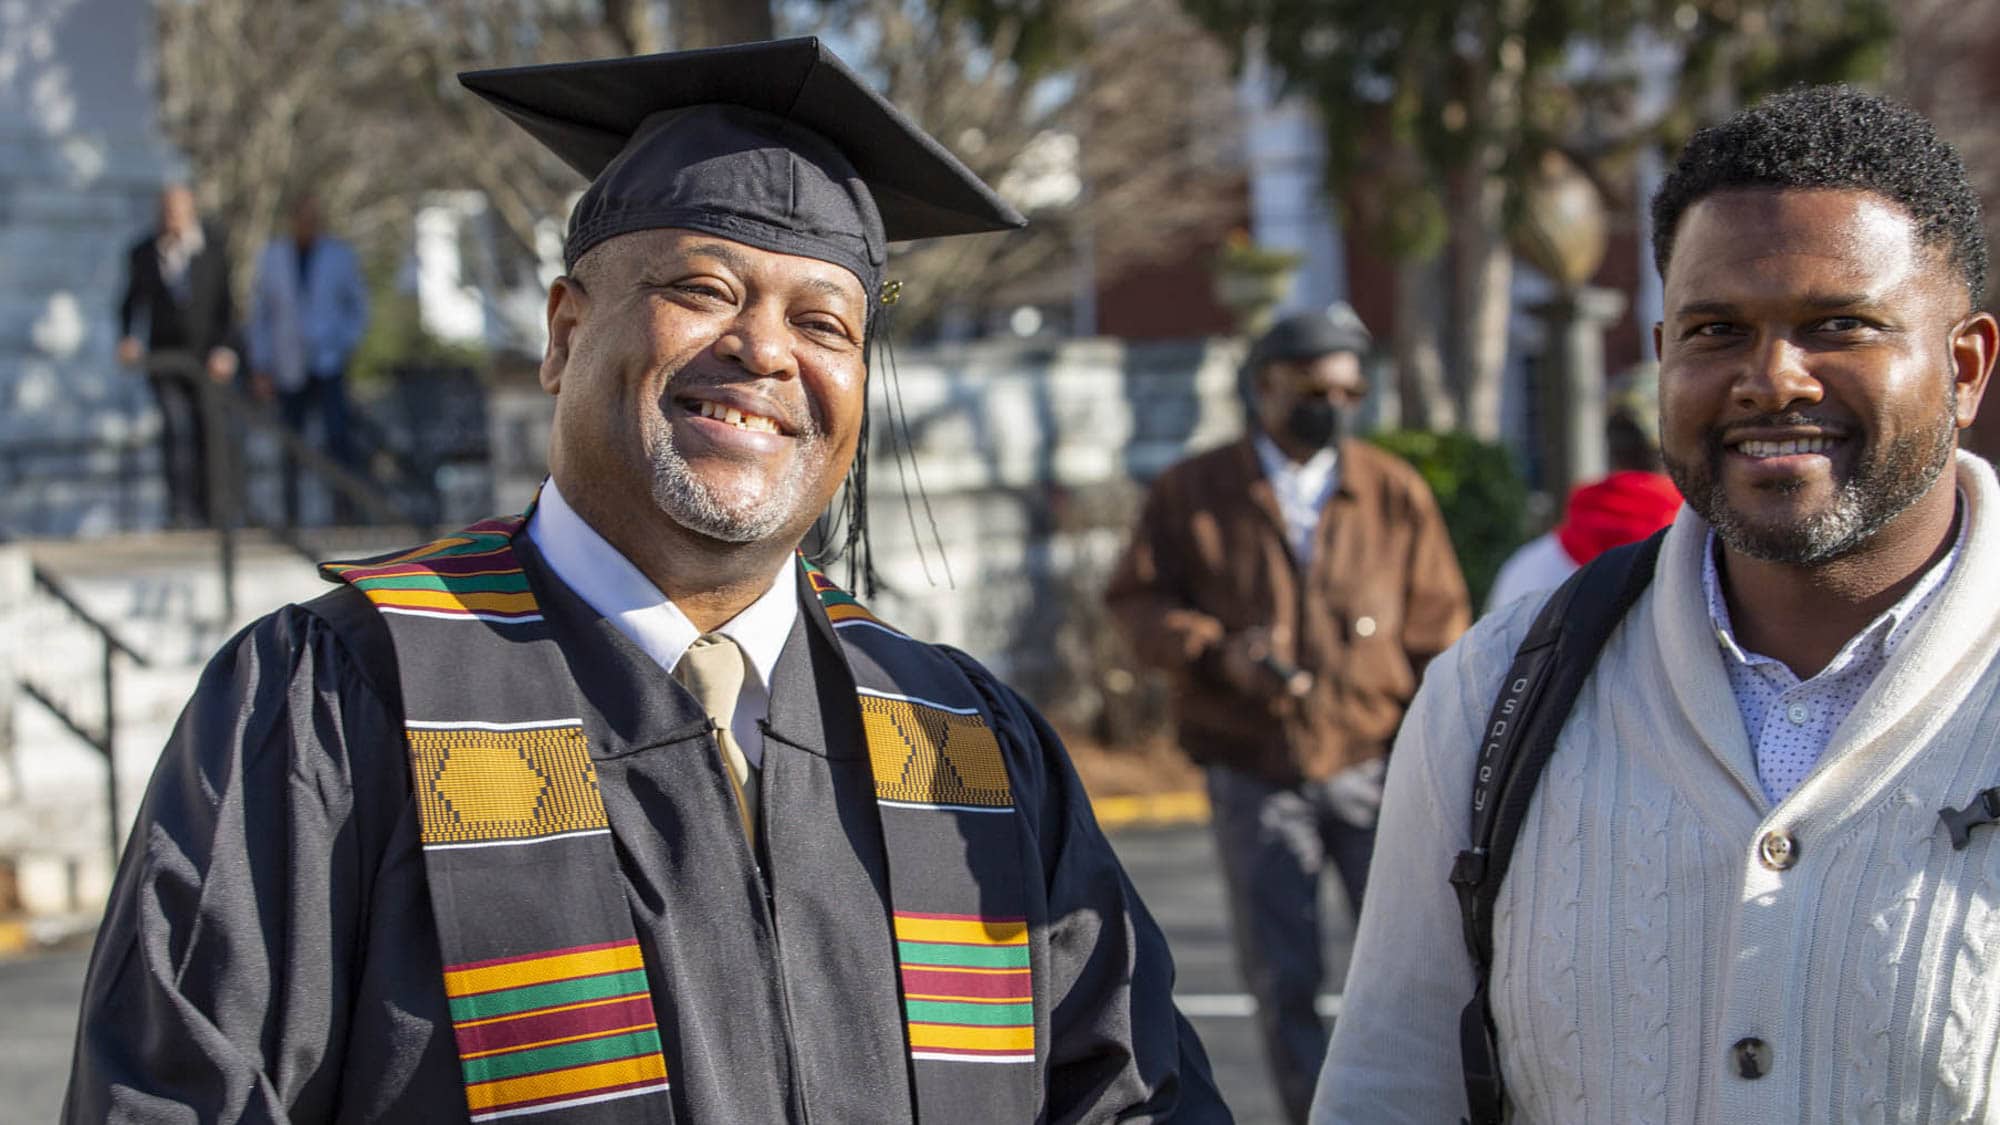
x=713, y=669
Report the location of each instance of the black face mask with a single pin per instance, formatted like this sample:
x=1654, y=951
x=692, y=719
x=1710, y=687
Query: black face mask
x=1317, y=422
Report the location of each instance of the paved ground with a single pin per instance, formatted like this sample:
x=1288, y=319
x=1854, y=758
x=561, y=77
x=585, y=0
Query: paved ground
x=38, y=995
x=1174, y=868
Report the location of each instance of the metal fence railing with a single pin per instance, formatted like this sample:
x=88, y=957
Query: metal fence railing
x=88, y=707
x=252, y=456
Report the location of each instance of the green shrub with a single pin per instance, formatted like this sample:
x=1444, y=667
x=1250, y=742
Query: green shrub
x=1480, y=491
x=397, y=339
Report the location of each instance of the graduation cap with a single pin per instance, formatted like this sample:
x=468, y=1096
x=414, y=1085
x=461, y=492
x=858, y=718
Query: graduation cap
x=1309, y=335
x=776, y=144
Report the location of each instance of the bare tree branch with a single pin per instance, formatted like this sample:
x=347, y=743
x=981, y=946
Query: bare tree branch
x=1146, y=102
x=360, y=106
x=359, y=103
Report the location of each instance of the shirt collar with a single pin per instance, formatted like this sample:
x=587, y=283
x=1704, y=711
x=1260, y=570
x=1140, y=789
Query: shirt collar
x=608, y=582
x=187, y=245
x=1308, y=476
x=1880, y=633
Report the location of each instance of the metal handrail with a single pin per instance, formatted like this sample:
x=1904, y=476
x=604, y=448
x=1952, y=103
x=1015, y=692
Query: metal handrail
x=48, y=584
x=221, y=404
x=105, y=739
x=354, y=486
x=217, y=398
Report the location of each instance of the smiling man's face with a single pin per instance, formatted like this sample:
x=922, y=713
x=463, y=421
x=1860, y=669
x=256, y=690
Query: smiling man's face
x=720, y=384
x=1809, y=391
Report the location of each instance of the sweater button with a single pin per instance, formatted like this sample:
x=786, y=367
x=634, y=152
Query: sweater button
x=1777, y=851
x=1751, y=1056
x=1364, y=626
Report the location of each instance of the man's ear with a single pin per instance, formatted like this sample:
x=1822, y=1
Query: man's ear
x=567, y=304
x=1973, y=346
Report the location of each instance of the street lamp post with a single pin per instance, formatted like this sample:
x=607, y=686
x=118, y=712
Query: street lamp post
x=1562, y=234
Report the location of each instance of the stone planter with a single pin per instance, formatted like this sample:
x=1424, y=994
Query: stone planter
x=1253, y=290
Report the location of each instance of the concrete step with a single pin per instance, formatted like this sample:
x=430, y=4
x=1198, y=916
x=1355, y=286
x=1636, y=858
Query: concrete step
x=160, y=593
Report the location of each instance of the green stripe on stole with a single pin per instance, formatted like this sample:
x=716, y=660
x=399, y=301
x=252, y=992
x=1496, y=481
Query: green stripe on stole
x=963, y=956
x=533, y=997
x=996, y=1015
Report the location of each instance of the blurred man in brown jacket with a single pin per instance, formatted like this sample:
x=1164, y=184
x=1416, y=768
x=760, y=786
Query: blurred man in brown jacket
x=1294, y=584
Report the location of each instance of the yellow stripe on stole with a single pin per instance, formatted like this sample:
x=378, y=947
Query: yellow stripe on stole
x=961, y=931
x=596, y=1076
x=972, y=1038
x=589, y=963
x=441, y=599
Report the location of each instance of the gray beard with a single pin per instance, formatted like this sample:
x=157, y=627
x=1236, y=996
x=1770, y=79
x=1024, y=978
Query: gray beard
x=1882, y=485
x=689, y=501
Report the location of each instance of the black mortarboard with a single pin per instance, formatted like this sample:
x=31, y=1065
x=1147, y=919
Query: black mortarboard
x=778, y=145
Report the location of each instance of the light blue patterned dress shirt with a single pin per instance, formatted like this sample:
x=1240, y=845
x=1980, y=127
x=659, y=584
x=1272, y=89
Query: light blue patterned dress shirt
x=1790, y=721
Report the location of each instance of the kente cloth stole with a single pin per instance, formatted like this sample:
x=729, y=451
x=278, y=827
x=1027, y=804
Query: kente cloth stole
x=959, y=854
x=543, y=971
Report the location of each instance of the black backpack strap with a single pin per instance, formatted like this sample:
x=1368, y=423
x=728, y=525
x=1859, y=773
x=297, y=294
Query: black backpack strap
x=1548, y=671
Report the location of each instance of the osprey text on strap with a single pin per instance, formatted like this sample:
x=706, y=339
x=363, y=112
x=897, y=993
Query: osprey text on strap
x=1549, y=669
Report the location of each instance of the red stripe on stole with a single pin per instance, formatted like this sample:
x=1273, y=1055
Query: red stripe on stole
x=634, y=1011
x=984, y=986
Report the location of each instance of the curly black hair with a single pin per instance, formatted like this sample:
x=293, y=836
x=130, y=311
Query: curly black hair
x=1833, y=137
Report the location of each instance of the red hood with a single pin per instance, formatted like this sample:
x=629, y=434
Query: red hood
x=1622, y=508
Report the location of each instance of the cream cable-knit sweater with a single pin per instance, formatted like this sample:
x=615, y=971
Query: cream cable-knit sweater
x=1638, y=936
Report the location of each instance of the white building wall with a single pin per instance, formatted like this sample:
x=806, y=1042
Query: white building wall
x=81, y=163
x=1289, y=209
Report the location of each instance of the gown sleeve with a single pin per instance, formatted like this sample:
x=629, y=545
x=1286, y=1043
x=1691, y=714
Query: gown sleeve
x=1119, y=1050
x=219, y=989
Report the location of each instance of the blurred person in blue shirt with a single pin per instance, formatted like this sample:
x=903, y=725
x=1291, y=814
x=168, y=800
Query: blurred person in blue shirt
x=308, y=312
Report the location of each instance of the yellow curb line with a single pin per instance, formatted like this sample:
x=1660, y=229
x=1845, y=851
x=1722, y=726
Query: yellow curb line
x=1156, y=810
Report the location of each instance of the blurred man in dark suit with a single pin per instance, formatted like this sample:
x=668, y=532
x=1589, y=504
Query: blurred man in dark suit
x=177, y=299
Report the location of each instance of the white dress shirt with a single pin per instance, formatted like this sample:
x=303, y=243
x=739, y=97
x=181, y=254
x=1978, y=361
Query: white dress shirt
x=176, y=255
x=1303, y=489
x=1790, y=721
x=609, y=583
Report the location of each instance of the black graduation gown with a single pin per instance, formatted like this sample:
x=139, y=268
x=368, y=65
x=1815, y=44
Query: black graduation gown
x=269, y=951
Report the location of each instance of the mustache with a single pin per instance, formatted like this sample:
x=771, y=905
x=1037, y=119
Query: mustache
x=1717, y=435
x=795, y=417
